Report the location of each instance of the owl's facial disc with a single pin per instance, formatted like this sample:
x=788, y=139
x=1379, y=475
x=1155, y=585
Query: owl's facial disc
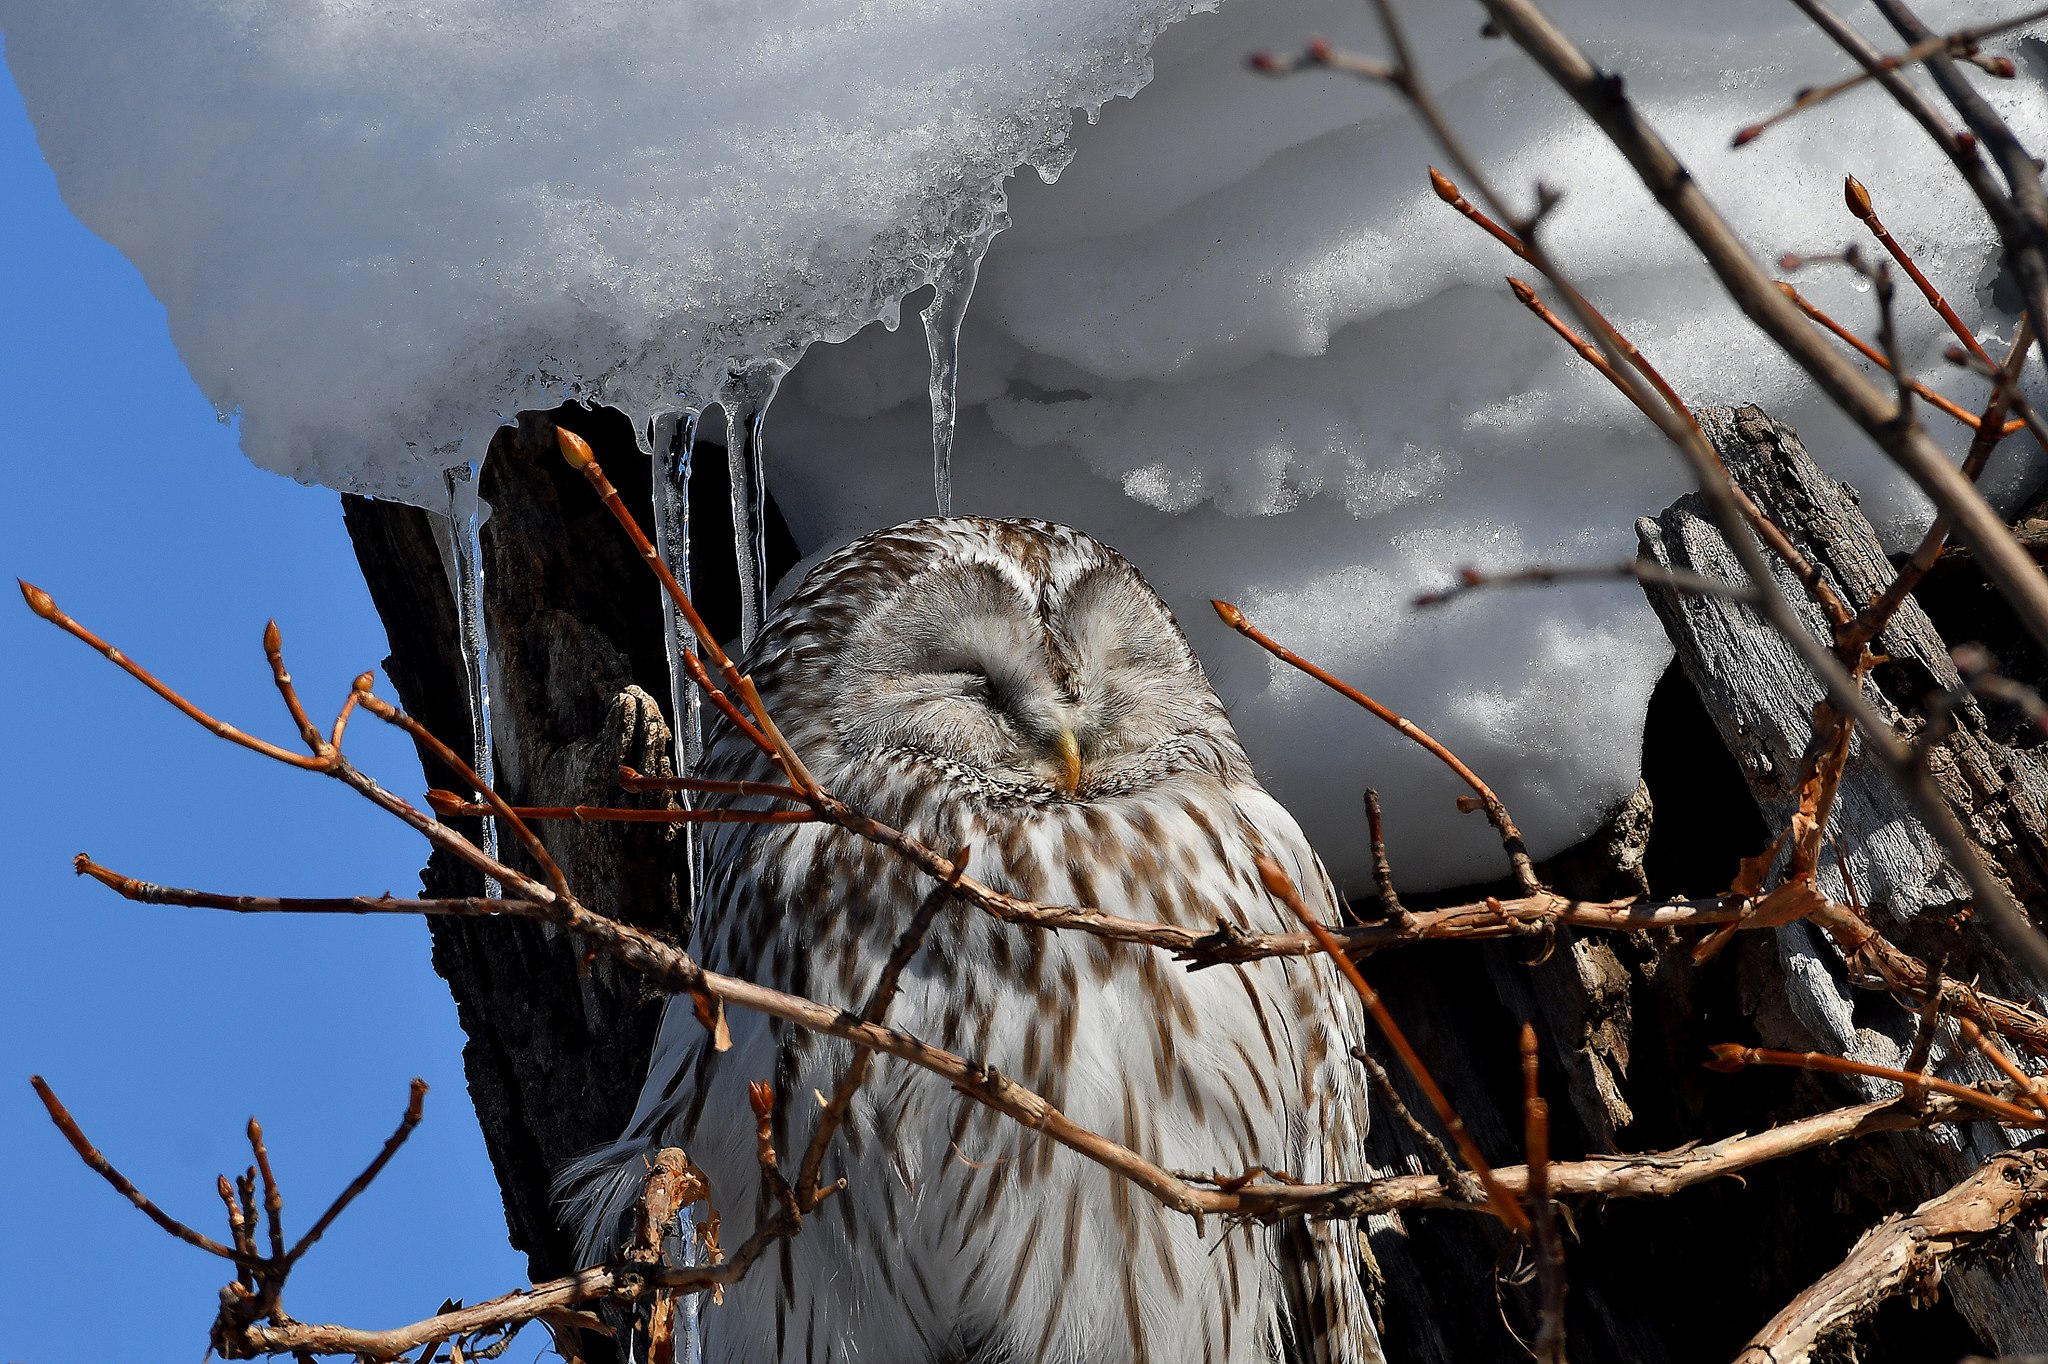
x=1069, y=691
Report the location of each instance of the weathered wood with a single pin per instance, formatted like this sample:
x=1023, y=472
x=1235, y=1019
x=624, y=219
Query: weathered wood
x=1761, y=699
x=1905, y=1255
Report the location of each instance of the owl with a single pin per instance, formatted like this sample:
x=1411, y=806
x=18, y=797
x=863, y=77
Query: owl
x=1015, y=688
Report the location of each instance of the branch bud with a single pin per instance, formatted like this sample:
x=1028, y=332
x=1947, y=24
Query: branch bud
x=1229, y=614
x=1445, y=188
x=38, y=600
x=575, y=449
x=1857, y=197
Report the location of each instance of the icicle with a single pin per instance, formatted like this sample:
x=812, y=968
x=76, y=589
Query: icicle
x=745, y=403
x=951, y=292
x=465, y=526
x=671, y=437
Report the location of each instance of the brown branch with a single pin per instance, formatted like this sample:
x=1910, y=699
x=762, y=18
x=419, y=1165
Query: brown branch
x=1282, y=888
x=273, y=1197
x=1961, y=43
x=1646, y=571
x=1902, y=1253
x=1872, y=619
x=409, y=1120
x=1496, y=810
x=1878, y=358
x=1858, y=199
x=1730, y=1056
x=447, y=803
x=42, y=604
x=528, y=839
x=876, y=1010
x=1382, y=869
x=104, y=1168
x=631, y=780
x=2004, y=561
x=578, y=453
x=1543, y=1214
x=273, y=649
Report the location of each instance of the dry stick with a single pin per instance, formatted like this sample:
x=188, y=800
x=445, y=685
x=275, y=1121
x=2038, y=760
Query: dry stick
x=1680, y=426
x=1902, y=1253
x=411, y=1119
x=1549, y=1246
x=273, y=1197
x=1281, y=887
x=2028, y=1085
x=1587, y=351
x=1447, y=191
x=528, y=839
x=2021, y=212
x=1858, y=200
x=1872, y=619
x=1878, y=358
x=1383, y=870
x=1647, y=571
x=41, y=603
x=104, y=1168
x=1977, y=525
x=273, y=649
x=1730, y=1056
x=876, y=1010
x=631, y=780
x=447, y=803
x=1496, y=811
x=1628, y=1176
x=1961, y=43
x=581, y=458
x=1434, y=1153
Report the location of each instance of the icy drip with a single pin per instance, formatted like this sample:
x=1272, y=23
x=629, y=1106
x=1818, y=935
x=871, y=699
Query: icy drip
x=671, y=438
x=465, y=525
x=951, y=292
x=745, y=405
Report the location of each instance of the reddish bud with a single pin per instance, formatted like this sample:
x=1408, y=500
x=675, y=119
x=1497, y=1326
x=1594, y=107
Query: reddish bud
x=575, y=449
x=1229, y=614
x=1857, y=198
x=2001, y=67
x=1525, y=295
x=272, y=640
x=1791, y=260
x=1319, y=50
x=1744, y=136
x=363, y=682
x=1266, y=62
x=38, y=600
x=1445, y=189
x=1967, y=141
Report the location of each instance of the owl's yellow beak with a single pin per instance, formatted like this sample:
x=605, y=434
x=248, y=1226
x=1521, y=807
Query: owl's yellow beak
x=1067, y=749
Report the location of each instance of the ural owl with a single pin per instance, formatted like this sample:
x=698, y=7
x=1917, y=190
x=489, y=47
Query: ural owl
x=1013, y=687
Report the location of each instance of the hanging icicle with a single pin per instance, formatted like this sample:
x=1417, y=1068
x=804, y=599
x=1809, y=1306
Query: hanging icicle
x=671, y=437
x=745, y=403
x=465, y=545
x=951, y=292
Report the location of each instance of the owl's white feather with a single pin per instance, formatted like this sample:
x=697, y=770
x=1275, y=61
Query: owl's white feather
x=926, y=674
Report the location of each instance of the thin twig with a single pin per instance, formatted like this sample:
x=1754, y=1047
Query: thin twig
x=1282, y=888
x=104, y=1168
x=1496, y=810
x=1646, y=571
x=416, y=1097
x=1961, y=43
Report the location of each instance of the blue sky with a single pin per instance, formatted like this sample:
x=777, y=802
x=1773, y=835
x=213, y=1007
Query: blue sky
x=166, y=1028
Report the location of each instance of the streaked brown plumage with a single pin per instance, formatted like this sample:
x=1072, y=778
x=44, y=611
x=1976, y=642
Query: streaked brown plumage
x=1016, y=688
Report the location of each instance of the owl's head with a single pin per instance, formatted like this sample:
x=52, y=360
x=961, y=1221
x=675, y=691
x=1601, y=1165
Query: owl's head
x=1015, y=653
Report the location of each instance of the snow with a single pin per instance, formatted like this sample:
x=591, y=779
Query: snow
x=1238, y=338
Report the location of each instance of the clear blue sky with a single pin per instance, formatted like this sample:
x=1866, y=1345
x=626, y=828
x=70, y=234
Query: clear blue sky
x=166, y=1028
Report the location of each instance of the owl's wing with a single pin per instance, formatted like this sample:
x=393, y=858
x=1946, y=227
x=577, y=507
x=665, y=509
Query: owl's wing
x=1322, y=1269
